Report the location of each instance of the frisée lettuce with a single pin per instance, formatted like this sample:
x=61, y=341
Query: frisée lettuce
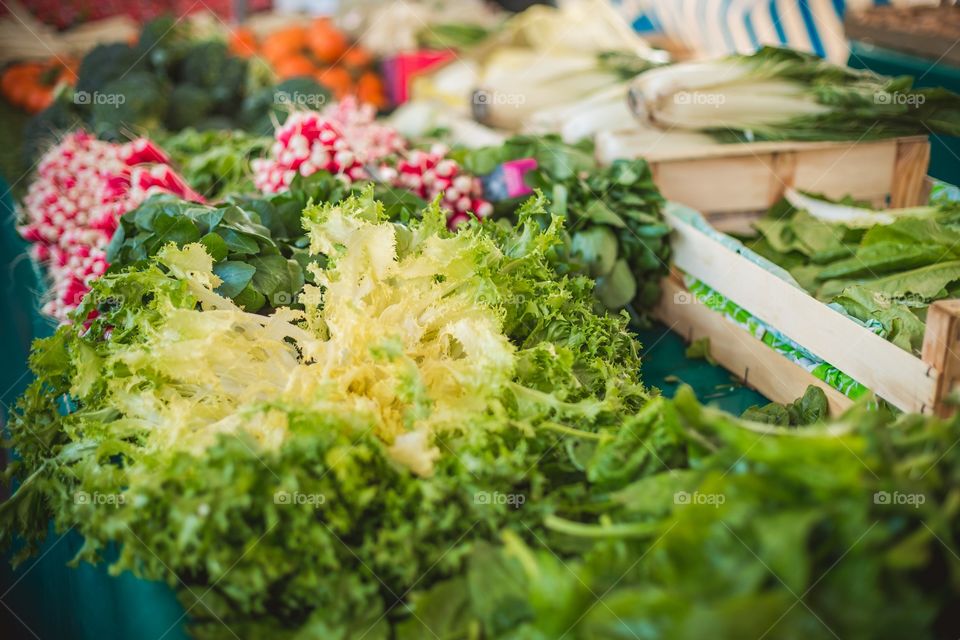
x=425, y=368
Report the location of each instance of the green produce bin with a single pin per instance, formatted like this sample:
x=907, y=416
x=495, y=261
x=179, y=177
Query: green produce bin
x=46, y=599
x=43, y=598
x=944, y=150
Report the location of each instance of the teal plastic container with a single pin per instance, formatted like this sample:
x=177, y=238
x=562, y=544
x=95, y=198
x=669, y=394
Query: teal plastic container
x=944, y=150
x=43, y=598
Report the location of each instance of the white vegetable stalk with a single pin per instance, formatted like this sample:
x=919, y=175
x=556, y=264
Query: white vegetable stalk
x=717, y=95
x=519, y=82
x=853, y=217
x=605, y=110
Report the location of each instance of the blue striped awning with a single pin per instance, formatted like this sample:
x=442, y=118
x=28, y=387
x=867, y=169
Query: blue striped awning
x=718, y=27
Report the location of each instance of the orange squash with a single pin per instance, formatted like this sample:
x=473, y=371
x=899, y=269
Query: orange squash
x=38, y=99
x=243, y=42
x=284, y=43
x=356, y=57
x=370, y=90
x=326, y=42
x=337, y=80
x=294, y=65
x=30, y=85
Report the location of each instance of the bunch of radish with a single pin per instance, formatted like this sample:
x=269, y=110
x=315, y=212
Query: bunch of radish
x=346, y=140
x=82, y=187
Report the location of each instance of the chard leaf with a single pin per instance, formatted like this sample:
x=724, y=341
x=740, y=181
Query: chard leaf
x=597, y=247
x=235, y=277
x=901, y=325
x=929, y=283
x=882, y=257
x=618, y=287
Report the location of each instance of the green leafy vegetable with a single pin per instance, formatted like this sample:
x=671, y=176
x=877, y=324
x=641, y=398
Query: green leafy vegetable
x=216, y=163
x=889, y=272
x=811, y=407
x=846, y=529
x=616, y=230
x=249, y=262
x=308, y=469
x=174, y=77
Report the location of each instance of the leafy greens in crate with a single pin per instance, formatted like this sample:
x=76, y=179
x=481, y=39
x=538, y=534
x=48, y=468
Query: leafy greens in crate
x=885, y=266
x=615, y=229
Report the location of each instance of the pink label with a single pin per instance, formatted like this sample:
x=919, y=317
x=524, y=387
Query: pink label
x=513, y=173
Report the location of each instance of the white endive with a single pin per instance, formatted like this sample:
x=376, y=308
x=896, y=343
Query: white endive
x=853, y=217
x=604, y=110
x=716, y=95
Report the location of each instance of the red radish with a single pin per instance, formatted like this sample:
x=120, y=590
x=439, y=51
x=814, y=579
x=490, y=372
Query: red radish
x=345, y=139
x=83, y=186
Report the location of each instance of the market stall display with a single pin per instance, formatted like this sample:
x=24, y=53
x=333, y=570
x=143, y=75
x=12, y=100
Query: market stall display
x=320, y=51
x=867, y=279
x=324, y=373
x=732, y=184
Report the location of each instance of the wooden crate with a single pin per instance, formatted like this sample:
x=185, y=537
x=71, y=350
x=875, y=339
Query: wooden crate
x=910, y=383
x=735, y=183
x=904, y=30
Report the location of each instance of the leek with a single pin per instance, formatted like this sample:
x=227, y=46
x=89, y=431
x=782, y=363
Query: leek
x=779, y=94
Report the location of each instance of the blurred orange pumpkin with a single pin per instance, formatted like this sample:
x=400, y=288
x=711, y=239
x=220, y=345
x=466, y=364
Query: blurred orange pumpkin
x=30, y=85
x=370, y=90
x=284, y=43
x=337, y=79
x=294, y=65
x=326, y=42
x=356, y=57
x=243, y=42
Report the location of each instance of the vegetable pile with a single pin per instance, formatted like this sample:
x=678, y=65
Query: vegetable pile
x=346, y=140
x=328, y=382
x=885, y=267
x=171, y=78
x=780, y=94
x=616, y=234
x=444, y=438
x=82, y=187
x=320, y=51
x=259, y=248
x=841, y=530
x=425, y=367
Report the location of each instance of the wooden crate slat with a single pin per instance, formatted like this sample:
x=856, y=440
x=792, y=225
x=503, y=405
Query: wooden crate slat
x=741, y=353
x=941, y=341
x=750, y=177
x=910, y=173
x=893, y=374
